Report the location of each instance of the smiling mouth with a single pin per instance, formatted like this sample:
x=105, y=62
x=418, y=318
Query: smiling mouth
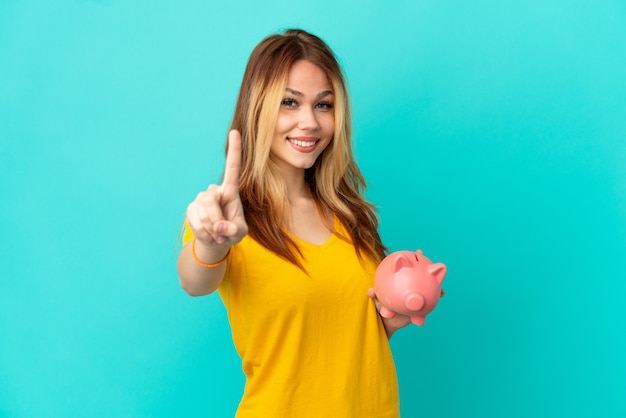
x=303, y=143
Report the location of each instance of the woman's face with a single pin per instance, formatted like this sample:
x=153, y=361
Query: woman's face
x=306, y=119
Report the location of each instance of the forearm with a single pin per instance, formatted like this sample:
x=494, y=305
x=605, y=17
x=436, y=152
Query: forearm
x=195, y=279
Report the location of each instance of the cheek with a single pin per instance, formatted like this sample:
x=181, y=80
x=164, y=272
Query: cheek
x=283, y=124
x=328, y=125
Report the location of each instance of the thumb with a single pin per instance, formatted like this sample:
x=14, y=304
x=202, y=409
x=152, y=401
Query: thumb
x=226, y=229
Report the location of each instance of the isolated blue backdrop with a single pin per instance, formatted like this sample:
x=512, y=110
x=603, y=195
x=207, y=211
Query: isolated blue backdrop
x=492, y=135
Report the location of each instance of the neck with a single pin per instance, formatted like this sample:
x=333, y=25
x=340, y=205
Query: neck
x=296, y=186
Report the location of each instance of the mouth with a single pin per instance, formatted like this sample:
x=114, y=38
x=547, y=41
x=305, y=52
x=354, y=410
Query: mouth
x=303, y=144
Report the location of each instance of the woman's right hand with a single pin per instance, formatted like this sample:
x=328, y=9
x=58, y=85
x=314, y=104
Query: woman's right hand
x=216, y=216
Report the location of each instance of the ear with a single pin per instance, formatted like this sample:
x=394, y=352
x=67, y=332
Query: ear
x=402, y=261
x=438, y=270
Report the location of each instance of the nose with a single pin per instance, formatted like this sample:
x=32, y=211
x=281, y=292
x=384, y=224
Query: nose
x=308, y=119
x=414, y=302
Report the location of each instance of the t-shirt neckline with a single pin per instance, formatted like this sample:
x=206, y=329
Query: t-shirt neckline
x=329, y=241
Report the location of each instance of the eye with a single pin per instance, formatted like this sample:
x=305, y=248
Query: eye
x=288, y=103
x=324, y=105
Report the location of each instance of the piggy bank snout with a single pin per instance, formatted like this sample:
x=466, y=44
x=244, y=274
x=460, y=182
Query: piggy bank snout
x=414, y=302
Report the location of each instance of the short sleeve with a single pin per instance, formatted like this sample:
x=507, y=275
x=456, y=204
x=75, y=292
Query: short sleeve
x=187, y=234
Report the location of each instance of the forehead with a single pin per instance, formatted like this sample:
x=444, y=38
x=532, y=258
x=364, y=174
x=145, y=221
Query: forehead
x=306, y=75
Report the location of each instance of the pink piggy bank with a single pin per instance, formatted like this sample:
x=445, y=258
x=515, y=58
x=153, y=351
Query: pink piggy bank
x=408, y=283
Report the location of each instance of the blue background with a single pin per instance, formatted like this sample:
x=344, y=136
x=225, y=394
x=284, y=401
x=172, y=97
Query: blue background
x=492, y=135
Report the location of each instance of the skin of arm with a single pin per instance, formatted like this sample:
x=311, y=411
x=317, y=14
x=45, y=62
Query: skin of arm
x=195, y=279
x=217, y=221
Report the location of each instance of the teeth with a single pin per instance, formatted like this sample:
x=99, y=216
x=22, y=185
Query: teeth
x=302, y=143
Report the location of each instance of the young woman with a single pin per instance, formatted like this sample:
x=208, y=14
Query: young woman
x=291, y=245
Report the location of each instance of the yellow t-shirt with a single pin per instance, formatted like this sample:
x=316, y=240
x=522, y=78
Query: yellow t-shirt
x=311, y=345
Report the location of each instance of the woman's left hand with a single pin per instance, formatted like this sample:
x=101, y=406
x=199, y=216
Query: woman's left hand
x=391, y=324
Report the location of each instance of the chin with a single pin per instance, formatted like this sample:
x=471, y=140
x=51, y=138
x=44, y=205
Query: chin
x=308, y=164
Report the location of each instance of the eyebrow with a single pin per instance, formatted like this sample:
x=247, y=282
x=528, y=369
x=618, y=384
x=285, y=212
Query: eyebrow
x=300, y=94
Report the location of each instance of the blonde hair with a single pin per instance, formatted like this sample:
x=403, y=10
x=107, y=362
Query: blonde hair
x=335, y=179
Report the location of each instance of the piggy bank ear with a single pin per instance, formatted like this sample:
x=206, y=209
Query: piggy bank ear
x=438, y=270
x=401, y=262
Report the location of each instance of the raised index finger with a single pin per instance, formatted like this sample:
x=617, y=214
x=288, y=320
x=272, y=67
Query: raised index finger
x=233, y=159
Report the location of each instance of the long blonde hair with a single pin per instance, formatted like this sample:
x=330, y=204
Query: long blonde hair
x=335, y=179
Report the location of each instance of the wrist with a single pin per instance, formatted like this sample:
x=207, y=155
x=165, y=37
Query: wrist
x=208, y=256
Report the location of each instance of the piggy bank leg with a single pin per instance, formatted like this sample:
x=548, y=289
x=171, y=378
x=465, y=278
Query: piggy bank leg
x=386, y=313
x=418, y=320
